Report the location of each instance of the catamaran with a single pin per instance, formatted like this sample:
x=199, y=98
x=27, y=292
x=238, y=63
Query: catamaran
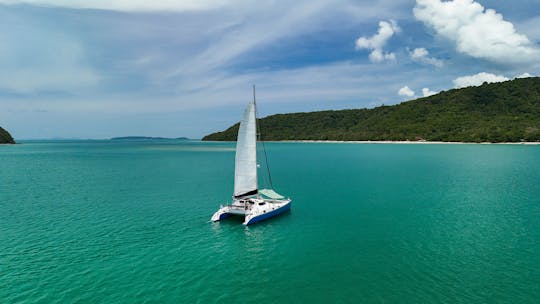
x=248, y=200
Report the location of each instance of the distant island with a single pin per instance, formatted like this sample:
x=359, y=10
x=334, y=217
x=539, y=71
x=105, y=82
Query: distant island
x=496, y=112
x=147, y=138
x=5, y=137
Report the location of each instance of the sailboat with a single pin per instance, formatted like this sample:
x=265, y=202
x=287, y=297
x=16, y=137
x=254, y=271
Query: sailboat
x=248, y=200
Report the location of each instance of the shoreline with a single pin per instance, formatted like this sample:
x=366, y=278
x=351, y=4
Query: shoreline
x=530, y=143
x=409, y=142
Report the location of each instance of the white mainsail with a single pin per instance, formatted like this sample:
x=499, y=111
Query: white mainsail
x=245, y=171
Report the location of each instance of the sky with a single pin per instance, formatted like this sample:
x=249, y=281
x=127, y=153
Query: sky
x=106, y=68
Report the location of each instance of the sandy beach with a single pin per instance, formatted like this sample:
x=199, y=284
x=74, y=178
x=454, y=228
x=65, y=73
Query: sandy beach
x=408, y=142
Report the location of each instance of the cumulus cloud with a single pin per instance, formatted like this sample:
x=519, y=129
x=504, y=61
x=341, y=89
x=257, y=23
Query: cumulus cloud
x=406, y=92
x=478, y=79
x=131, y=5
x=427, y=92
x=377, y=42
x=422, y=55
x=477, y=32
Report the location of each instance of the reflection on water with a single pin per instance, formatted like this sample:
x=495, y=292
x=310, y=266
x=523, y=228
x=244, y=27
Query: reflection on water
x=191, y=148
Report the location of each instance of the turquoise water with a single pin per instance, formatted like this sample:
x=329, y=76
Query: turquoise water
x=117, y=222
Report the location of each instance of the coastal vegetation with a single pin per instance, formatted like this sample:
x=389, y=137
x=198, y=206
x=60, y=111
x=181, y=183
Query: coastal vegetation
x=138, y=138
x=496, y=112
x=5, y=137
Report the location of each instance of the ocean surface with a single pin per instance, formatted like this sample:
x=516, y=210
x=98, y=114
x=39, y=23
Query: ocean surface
x=128, y=222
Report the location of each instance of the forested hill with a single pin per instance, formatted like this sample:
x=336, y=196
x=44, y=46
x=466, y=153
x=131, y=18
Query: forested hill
x=497, y=112
x=5, y=137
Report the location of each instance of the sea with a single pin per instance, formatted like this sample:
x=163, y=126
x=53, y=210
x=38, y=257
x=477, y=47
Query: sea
x=89, y=221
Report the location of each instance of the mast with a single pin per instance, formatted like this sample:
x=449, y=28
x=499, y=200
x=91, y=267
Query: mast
x=254, y=100
x=261, y=141
x=257, y=128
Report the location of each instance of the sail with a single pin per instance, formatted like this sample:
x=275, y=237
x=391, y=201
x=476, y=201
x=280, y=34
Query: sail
x=245, y=171
x=271, y=194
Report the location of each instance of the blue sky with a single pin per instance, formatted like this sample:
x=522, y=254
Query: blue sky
x=99, y=69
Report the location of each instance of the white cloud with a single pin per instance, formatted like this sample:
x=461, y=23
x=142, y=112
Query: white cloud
x=427, y=92
x=477, y=32
x=377, y=42
x=406, y=92
x=99, y=66
x=129, y=5
x=380, y=56
x=524, y=75
x=478, y=79
x=419, y=53
x=182, y=54
x=422, y=55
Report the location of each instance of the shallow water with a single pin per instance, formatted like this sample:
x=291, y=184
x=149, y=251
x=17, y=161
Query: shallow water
x=116, y=222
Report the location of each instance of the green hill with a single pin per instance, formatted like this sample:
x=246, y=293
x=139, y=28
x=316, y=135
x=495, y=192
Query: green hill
x=5, y=137
x=496, y=112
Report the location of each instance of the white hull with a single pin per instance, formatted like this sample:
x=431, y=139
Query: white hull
x=253, y=209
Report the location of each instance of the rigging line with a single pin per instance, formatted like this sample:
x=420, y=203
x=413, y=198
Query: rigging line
x=262, y=142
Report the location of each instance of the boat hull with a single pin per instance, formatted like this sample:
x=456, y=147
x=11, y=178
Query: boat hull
x=255, y=211
x=258, y=218
x=227, y=211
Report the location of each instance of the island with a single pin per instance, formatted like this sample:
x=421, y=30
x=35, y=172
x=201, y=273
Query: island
x=495, y=112
x=127, y=138
x=5, y=137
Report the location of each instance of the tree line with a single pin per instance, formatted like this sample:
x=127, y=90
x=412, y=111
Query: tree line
x=496, y=112
x=5, y=137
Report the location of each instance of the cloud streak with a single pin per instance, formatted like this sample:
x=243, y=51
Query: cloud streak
x=35, y=58
x=130, y=5
x=251, y=33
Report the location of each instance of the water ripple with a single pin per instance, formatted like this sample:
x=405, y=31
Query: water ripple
x=117, y=223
